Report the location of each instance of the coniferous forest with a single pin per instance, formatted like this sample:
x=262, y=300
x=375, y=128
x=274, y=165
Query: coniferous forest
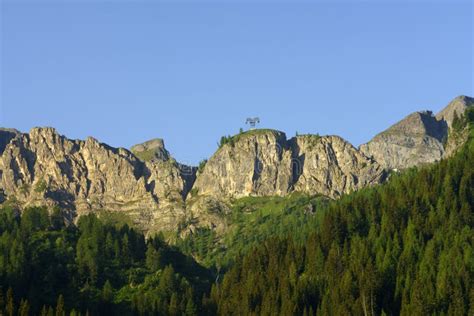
x=405, y=247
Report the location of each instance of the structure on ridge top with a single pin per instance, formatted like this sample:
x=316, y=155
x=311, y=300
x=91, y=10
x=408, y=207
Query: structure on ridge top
x=252, y=121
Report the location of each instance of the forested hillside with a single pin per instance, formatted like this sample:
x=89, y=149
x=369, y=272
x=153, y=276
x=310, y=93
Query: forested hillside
x=404, y=247
x=96, y=268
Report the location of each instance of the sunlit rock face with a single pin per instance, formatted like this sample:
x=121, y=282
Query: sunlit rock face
x=419, y=138
x=331, y=166
x=43, y=167
x=264, y=162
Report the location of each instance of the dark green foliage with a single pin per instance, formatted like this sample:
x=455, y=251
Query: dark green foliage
x=194, y=192
x=60, y=306
x=226, y=140
x=252, y=220
x=460, y=122
x=95, y=267
x=41, y=186
x=202, y=164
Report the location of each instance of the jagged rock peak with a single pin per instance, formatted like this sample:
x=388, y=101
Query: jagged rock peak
x=458, y=106
x=419, y=123
x=43, y=131
x=264, y=162
x=417, y=139
x=6, y=135
x=153, y=149
x=44, y=167
x=331, y=166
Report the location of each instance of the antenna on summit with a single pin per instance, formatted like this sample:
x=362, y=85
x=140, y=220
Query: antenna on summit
x=252, y=121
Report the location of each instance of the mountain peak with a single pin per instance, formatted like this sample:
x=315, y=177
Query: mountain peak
x=153, y=149
x=418, y=138
x=458, y=105
x=418, y=123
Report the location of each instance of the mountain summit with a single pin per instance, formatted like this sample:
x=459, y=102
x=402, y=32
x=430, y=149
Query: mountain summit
x=419, y=138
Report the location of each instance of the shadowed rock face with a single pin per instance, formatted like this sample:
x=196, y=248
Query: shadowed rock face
x=6, y=135
x=417, y=139
x=414, y=140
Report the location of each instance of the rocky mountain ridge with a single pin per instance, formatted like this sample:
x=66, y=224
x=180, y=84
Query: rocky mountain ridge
x=148, y=186
x=419, y=138
x=264, y=162
x=44, y=167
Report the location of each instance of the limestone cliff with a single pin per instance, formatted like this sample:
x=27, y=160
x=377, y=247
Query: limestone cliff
x=419, y=138
x=254, y=163
x=331, y=166
x=264, y=162
x=43, y=167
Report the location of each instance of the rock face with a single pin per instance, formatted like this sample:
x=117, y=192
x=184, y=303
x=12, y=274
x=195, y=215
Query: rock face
x=331, y=166
x=257, y=163
x=43, y=167
x=157, y=193
x=418, y=139
x=264, y=162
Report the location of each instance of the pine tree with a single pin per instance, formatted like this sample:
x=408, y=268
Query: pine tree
x=107, y=292
x=109, y=245
x=24, y=308
x=173, y=306
x=125, y=253
x=60, y=311
x=153, y=258
x=191, y=309
x=44, y=311
x=2, y=301
x=10, y=306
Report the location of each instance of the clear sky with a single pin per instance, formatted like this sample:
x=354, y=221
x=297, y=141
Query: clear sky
x=128, y=71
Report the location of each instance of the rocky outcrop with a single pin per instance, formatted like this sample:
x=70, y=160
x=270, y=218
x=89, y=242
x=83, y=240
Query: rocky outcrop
x=331, y=166
x=457, y=107
x=254, y=163
x=43, y=167
x=419, y=138
x=152, y=150
x=416, y=139
x=264, y=162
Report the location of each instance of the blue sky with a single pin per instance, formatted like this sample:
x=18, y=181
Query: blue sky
x=128, y=71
